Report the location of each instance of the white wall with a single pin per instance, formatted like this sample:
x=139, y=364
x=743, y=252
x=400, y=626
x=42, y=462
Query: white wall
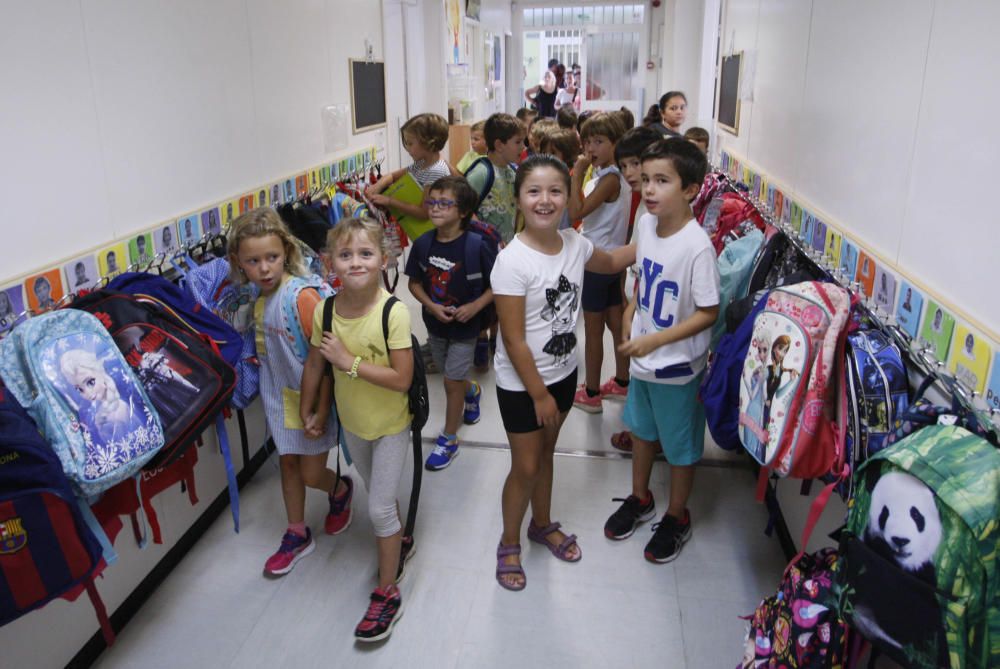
x=879, y=115
x=118, y=116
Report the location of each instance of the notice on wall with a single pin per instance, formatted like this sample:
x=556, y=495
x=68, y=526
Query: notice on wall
x=866, y=272
x=140, y=248
x=11, y=306
x=970, y=358
x=44, y=290
x=885, y=289
x=993, y=389
x=937, y=329
x=112, y=259
x=832, y=246
x=189, y=229
x=911, y=303
x=81, y=273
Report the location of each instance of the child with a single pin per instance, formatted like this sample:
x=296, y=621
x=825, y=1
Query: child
x=627, y=153
x=477, y=140
x=667, y=332
x=566, y=118
x=563, y=144
x=442, y=281
x=603, y=204
x=424, y=136
x=699, y=136
x=539, y=130
x=536, y=281
x=262, y=251
x=673, y=111
x=371, y=374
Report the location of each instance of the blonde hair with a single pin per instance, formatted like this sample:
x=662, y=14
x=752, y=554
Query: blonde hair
x=349, y=227
x=478, y=126
x=261, y=222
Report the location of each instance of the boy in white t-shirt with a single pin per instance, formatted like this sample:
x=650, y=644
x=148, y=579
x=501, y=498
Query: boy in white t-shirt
x=667, y=328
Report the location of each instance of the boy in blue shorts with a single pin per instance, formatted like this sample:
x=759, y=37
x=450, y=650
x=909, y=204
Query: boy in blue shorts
x=667, y=327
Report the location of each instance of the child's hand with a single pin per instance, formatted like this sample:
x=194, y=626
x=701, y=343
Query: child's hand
x=466, y=312
x=314, y=426
x=581, y=165
x=335, y=352
x=441, y=312
x=547, y=411
x=379, y=200
x=640, y=346
x=626, y=331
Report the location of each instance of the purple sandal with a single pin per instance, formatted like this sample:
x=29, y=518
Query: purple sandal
x=538, y=534
x=502, y=569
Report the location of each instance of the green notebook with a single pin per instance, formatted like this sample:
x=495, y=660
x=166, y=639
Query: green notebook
x=406, y=189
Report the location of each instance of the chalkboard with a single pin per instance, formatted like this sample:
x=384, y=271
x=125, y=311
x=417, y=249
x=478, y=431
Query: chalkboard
x=729, y=93
x=367, y=94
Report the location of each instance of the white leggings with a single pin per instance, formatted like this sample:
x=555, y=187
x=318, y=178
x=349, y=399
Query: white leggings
x=380, y=464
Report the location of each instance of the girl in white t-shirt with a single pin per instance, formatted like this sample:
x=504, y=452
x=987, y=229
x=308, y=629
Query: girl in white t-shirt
x=536, y=283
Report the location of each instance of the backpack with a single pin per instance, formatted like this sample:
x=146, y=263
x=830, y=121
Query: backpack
x=922, y=412
x=788, y=411
x=65, y=368
x=210, y=286
x=491, y=176
x=735, y=263
x=736, y=218
x=919, y=552
x=720, y=388
x=473, y=251
x=46, y=546
x=290, y=310
x=798, y=627
x=878, y=391
x=711, y=189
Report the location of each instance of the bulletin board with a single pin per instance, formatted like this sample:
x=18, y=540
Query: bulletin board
x=368, y=110
x=729, y=92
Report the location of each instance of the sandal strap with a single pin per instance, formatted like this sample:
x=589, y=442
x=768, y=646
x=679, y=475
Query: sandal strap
x=510, y=569
x=544, y=531
x=564, y=546
x=510, y=549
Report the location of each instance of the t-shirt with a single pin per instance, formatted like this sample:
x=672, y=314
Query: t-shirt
x=425, y=174
x=444, y=276
x=498, y=207
x=466, y=161
x=551, y=287
x=677, y=274
x=368, y=410
x=607, y=225
x=665, y=131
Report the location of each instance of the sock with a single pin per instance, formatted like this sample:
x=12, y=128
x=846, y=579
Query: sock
x=623, y=384
x=298, y=528
x=450, y=438
x=592, y=393
x=645, y=500
x=472, y=389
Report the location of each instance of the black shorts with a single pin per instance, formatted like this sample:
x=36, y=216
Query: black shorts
x=601, y=291
x=517, y=409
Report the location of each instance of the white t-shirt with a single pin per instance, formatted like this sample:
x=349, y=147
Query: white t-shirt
x=551, y=288
x=607, y=225
x=677, y=274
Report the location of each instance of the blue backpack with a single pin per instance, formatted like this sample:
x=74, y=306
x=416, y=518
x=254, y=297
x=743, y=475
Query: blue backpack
x=735, y=266
x=67, y=370
x=878, y=391
x=46, y=546
x=209, y=284
x=290, y=310
x=720, y=389
x=474, y=244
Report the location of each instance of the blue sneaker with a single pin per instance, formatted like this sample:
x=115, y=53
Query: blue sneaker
x=471, y=415
x=443, y=454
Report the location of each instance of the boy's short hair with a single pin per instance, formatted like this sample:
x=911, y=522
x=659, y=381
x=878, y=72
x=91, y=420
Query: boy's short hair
x=566, y=117
x=634, y=142
x=606, y=124
x=697, y=134
x=627, y=118
x=477, y=126
x=564, y=142
x=542, y=128
x=688, y=160
x=466, y=197
x=431, y=130
x=501, y=127
x=523, y=113
x=582, y=118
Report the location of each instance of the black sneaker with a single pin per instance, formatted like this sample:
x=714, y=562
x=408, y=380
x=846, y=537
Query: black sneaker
x=383, y=612
x=623, y=522
x=407, y=550
x=669, y=536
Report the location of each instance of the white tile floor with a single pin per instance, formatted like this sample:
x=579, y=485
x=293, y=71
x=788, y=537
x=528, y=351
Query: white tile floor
x=613, y=609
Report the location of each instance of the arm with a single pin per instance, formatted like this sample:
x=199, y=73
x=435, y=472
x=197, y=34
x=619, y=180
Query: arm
x=417, y=211
x=510, y=310
x=385, y=182
x=531, y=91
x=436, y=310
x=627, y=317
x=395, y=377
x=700, y=320
x=467, y=311
x=608, y=189
x=604, y=262
x=311, y=393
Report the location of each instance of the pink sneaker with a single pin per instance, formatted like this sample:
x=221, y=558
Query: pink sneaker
x=611, y=390
x=293, y=548
x=339, y=518
x=584, y=401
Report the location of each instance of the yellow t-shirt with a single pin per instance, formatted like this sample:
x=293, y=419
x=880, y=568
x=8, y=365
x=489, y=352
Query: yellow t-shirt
x=365, y=409
x=467, y=160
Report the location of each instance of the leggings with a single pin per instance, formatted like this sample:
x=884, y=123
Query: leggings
x=380, y=464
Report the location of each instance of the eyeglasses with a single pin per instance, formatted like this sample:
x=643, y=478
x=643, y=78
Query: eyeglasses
x=443, y=204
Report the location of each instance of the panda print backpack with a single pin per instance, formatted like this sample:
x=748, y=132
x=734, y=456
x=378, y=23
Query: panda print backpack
x=918, y=570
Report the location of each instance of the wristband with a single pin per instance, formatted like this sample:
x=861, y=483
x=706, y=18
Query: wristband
x=354, y=368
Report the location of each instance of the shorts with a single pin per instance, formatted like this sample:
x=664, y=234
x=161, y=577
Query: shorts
x=670, y=414
x=453, y=356
x=517, y=409
x=601, y=291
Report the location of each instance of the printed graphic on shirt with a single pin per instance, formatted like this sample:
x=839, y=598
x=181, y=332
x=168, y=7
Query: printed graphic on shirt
x=559, y=310
x=657, y=295
x=440, y=271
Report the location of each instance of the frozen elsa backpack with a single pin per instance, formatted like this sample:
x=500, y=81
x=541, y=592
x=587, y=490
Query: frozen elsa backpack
x=66, y=370
x=791, y=377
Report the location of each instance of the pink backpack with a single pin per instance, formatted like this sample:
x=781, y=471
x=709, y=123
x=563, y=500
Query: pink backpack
x=791, y=381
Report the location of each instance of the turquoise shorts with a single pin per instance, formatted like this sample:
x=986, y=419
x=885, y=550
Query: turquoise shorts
x=670, y=414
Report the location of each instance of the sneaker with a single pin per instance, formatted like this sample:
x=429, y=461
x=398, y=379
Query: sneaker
x=442, y=455
x=481, y=356
x=407, y=549
x=339, y=518
x=383, y=612
x=612, y=390
x=293, y=548
x=584, y=401
x=471, y=415
x=622, y=523
x=669, y=536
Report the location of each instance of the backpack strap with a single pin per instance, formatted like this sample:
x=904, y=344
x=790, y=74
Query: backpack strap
x=386, y=310
x=474, y=262
x=234, y=491
x=328, y=327
x=490, y=178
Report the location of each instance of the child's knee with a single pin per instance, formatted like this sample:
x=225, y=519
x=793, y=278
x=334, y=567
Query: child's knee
x=385, y=518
